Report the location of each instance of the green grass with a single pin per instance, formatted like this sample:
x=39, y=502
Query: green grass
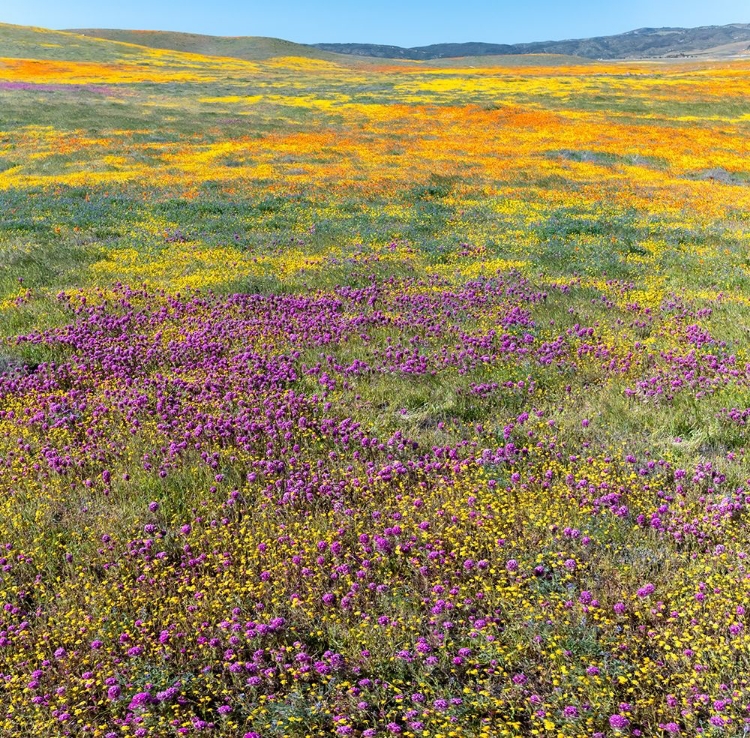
x=250, y=48
x=24, y=42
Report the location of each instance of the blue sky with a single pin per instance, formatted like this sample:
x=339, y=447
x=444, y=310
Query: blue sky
x=401, y=22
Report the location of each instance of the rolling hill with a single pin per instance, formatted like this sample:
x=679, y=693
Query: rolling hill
x=28, y=42
x=251, y=48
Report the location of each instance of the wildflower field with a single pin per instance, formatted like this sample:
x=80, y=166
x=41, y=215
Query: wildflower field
x=365, y=399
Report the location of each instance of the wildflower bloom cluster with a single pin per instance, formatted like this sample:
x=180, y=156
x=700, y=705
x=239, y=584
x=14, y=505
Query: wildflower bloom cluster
x=244, y=556
x=413, y=405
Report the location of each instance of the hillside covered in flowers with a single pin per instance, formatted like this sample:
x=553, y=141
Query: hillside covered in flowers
x=343, y=398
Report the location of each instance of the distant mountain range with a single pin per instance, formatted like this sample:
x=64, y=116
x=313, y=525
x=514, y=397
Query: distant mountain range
x=644, y=43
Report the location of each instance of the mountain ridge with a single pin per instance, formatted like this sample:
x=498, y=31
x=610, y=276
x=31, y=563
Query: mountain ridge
x=668, y=42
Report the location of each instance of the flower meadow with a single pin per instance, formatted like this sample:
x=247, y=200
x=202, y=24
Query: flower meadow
x=351, y=399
